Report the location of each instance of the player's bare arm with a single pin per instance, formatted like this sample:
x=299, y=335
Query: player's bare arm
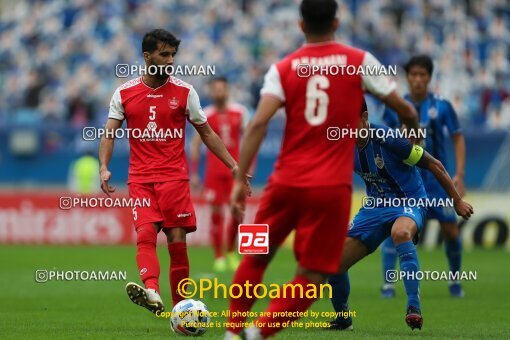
x=195, y=145
x=105, y=154
x=251, y=170
x=250, y=144
x=462, y=208
x=214, y=143
x=459, y=145
x=405, y=111
x=385, y=89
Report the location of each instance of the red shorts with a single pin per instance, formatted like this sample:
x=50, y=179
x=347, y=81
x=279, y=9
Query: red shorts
x=320, y=216
x=170, y=203
x=217, y=189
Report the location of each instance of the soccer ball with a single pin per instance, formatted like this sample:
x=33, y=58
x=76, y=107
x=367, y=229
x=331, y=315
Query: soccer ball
x=190, y=317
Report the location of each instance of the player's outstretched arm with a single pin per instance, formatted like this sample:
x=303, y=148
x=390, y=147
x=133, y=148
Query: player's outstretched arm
x=382, y=87
x=255, y=132
x=403, y=108
x=250, y=144
x=105, y=154
x=462, y=208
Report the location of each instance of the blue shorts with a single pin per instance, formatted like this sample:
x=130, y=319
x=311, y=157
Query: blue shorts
x=373, y=226
x=442, y=214
x=435, y=190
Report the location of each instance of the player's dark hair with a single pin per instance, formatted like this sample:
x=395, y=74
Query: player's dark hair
x=421, y=60
x=318, y=15
x=363, y=106
x=222, y=79
x=151, y=39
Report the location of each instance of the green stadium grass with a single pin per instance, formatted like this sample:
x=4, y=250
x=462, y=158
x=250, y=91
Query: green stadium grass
x=93, y=309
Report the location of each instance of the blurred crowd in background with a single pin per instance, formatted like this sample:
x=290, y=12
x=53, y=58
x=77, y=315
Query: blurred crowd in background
x=58, y=57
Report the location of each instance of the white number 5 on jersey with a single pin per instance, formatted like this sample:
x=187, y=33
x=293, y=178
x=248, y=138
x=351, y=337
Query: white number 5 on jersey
x=317, y=100
x=152, y=110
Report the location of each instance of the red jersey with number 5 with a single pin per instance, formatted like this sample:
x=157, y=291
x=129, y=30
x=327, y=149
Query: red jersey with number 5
x=317, y=104
x=156, y=121
x=228, y=125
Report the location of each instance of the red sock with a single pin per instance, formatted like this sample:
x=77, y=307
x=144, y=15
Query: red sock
x=217, y=233
x=251, y=270
x=232, y=234
x=146, y=256
x=285, y=304
x=179, y=267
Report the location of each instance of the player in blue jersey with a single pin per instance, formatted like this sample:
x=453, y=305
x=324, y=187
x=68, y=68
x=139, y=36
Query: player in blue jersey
x=387, y=166
x=436, y=114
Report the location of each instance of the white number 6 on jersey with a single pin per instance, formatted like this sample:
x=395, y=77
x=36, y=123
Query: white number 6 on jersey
x=317, y=100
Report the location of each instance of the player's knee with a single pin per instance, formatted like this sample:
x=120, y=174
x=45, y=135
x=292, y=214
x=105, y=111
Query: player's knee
x=174, y=235
x=314, y=277
x=344, y=267
x=146, y=235
x=450, y=232
x=401, y=235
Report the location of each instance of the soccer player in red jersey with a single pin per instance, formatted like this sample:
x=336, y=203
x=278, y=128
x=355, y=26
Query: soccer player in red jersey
x=310, y=188
x=227, y=119
x=157, y=106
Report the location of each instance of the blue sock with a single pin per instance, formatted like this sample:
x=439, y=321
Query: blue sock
x=389, y=257
x=409, y=264
x=454, y=254
x=341, y=289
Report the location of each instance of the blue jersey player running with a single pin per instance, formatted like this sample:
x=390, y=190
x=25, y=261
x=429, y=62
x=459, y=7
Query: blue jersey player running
x=387, y=166
x=435, y=114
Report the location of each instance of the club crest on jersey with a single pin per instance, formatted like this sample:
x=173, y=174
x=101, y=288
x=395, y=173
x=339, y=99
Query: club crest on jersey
x=432, y=113
x=173, y=103
x=379, y=162
x=151, y=126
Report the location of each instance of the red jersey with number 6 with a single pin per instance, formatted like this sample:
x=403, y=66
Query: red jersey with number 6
x=318, y=103
x=156, y=121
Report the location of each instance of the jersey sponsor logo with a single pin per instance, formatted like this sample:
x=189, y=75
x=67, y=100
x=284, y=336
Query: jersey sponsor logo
x=173, y=103
x=184, y=215
x=379, y=162
x=152, y=126
x=253, y=239
x=154, y=96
